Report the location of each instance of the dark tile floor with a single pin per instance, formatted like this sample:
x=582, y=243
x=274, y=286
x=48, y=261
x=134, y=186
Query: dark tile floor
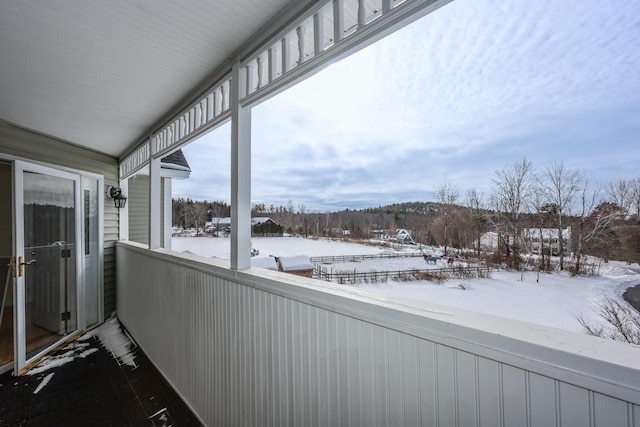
x=94, y=389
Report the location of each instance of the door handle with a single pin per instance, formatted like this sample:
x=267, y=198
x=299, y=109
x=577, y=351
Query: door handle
x=22, y=264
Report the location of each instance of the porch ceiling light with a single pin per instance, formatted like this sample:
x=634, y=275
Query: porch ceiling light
x=115, y=193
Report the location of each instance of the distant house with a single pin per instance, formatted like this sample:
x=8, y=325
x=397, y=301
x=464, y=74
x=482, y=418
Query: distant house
x=489, y=241
x=262, y=220
x=404, y=237
x=532, y=240
x=265, y=226
x=217, y=225
x=260, y=226
x=299, y=265
x=338, y=231
x=537, y=240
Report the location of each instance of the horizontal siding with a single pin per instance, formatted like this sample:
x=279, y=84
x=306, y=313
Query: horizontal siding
x=245, y=349
x=18, y=142
x=138, y=200
x=109, y=302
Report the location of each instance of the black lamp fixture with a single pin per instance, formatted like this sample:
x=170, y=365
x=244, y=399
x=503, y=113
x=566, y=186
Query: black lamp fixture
x=115, y=193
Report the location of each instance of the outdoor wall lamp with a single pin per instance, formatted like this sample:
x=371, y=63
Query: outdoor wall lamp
x=115, y=193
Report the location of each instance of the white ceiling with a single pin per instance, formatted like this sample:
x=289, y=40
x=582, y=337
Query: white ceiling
x=101, y=74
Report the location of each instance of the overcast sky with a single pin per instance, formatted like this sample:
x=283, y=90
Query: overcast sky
x=464, y=92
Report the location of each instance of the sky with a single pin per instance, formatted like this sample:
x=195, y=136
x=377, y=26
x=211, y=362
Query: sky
x=453, y=98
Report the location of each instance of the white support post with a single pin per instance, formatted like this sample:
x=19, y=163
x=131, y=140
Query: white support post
x=240, y=175
x=214, y=104
x=259, y=69
x=223, y=97
x=154, y=203
x=123, y=214
x=318, y=33
x=167, y=206
x=271, y=59
x=210, y=102
x=362, y=14
x=248, y=72
x=300, y=32
x=338, y=20
x=386, y=6
x=286, y=51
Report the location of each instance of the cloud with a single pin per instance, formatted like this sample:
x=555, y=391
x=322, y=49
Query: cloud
x=453, y=97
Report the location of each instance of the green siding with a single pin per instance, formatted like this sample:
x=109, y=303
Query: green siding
x=18, y=142
x=138, y=201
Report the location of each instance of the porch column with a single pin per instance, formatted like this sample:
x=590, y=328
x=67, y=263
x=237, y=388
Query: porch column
x=123, y=214
x=154, y=203
x=240, y=175
x=166, y=227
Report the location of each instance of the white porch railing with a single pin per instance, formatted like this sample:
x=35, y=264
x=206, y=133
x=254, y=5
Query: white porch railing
x=326, y=31
x=257, y=347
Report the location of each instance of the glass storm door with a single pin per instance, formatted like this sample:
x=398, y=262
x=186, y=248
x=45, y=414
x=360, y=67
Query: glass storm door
x=47, y=218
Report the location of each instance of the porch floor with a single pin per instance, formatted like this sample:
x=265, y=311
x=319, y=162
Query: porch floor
x=93, y=388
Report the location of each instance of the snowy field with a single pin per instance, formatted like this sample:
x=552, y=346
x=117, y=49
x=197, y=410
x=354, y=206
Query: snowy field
x=552, y=300
x=220, y=247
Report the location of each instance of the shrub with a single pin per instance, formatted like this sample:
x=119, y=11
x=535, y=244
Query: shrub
x=623, y=322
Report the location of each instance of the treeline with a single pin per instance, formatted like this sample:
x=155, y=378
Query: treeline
x=604, y=219
x=188, y=213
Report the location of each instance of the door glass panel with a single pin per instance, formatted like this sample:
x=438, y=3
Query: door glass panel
x=91, y=251
x=49, y=259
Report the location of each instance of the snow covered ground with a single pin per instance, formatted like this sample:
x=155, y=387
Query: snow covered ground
x=272, y=246
x=552, y=300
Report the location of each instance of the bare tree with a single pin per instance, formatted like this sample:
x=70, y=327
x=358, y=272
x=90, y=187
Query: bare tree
x=538, y=204
x=634, y=195
x=475, y=205
x=513, y=186
x=620, y=194
x=623, y=322
x=561, y=186
x=302, y=213
x=326, y=226
x=588, y=199
x=604, y=222
x=447, y=195
x=290, y=215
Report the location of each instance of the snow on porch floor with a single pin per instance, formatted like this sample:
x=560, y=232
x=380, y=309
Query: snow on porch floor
x=102, y=379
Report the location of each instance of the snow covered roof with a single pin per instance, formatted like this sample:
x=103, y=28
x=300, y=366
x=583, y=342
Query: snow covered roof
x=176, y=160
x=261, y=220
x=294, y=263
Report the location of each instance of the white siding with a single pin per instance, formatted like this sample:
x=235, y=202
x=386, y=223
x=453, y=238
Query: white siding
x=265, y=348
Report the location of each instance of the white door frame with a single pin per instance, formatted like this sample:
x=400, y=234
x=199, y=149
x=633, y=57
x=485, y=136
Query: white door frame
x=21, y=363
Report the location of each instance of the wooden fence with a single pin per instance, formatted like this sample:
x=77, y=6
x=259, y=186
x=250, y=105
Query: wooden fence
x=433, y=274
x=350, y=258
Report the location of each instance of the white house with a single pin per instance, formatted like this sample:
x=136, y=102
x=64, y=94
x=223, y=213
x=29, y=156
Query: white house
x=403, y=236
x=537, y=240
